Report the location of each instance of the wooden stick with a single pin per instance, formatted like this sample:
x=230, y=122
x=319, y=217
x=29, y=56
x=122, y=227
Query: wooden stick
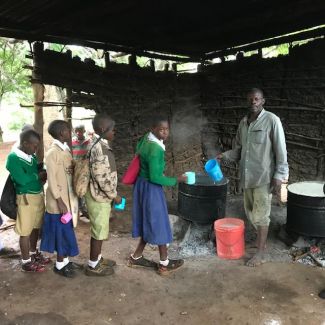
x=304, y=136
x=289, y=108
x=303, y=145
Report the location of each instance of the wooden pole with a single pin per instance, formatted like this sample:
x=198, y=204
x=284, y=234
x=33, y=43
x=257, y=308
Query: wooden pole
x=38, y=92
x=68, y=111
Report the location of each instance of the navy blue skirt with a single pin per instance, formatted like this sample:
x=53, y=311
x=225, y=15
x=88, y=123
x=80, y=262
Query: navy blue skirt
x=149, y=214
x=58, y=237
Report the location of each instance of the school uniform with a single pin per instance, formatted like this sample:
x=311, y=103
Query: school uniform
x=57, y=236
x=23, y=169
x=149, y=213
x=102, y=188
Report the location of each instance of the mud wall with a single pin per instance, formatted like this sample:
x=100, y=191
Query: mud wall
x=204, y=108
x=294, y=88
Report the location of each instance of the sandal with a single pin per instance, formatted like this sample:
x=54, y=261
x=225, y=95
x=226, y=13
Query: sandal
x=141, y=262
x=172, y=266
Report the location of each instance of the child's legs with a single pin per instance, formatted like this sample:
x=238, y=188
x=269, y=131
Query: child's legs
x=139, y=250
x=163, y=252
x=30, y=211
x=95, y=249
x=33, y=240
x=99, y=214
x=24, y=247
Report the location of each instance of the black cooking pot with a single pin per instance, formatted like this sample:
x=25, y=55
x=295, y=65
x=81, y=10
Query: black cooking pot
x=306, y=209
x=204, y=201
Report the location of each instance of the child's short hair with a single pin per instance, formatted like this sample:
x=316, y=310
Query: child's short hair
x=56, y=127
x=27, y=127
x=80, y=127
x=99, y=120
x=158, y=119
x=26, y=135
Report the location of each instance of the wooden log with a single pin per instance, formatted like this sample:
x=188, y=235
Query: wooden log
x=304, y=136
x=68, y=111
x=288, y=108
x=298, y=144
x=38, y=92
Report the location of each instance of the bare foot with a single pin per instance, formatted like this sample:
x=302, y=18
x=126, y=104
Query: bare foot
x=257, y=259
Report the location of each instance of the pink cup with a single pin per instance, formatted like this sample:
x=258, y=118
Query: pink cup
x=66, y=217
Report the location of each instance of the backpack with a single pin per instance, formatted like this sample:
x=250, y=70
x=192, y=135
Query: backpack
x=81, y=173
x=8, y=199
x=131, y=174
x=81, y=177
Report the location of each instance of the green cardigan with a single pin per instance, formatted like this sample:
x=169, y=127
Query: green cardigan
x=24, y=174
x=152, y=166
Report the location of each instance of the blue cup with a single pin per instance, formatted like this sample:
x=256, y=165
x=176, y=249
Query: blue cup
x=213, y=169
x=120, y=206
x=190, y=177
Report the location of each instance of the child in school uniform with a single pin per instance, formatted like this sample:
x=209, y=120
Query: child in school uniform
x=60, y=199
x=150, y=219
x=101, y=193
x=22, y=165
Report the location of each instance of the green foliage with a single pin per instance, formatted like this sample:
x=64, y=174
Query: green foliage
x=276, y=50
x=19, y=118
x=13, y=76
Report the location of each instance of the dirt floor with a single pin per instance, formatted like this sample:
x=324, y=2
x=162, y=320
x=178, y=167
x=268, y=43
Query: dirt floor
x=207, y=290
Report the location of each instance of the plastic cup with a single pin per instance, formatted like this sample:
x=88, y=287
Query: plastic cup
x=120, y=206
x=213, y=169
x=65, y=218
x=190, y=177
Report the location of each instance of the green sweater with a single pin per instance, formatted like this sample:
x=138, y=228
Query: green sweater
x=152, y=166
x=24, y=174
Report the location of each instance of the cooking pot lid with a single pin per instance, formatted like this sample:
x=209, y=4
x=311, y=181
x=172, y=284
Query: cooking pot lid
x=311, y=188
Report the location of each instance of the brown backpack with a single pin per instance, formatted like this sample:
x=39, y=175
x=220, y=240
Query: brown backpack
x=81, y=177
x=81, y=173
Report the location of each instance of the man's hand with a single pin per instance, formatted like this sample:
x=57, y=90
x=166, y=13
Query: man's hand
x=276, y=187
x=61, y=205
x=117, y=199
x=219, y=157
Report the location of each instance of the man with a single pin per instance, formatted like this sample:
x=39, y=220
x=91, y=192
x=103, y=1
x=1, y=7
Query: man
x=101, y=193
x=261, y=152
x=23, y=168
x=79, y=151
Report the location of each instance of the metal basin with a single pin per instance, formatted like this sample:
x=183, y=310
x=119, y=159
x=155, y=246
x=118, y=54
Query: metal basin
x=306, y=209
x=202, y=202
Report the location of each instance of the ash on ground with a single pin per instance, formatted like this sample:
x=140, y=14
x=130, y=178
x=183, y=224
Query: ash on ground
x=309, y=251
x=199, y=240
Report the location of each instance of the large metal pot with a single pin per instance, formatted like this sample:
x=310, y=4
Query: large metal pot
x=204, y=201
x=306, y=209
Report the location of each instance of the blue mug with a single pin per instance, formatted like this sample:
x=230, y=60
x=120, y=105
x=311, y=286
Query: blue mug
x=190, y=177
x=120, y=206
x=213, y=169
